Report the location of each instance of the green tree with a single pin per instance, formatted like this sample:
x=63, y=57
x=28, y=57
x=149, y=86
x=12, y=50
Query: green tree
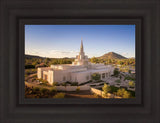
x=116, y=72
x=126, y=94
x=43, y=90
x=106, y=88
x=123, y=93
x=94, y=60
x=131, y=83
x=29, y=66
x=95, y=76
x=120, y=92
x=53, y=89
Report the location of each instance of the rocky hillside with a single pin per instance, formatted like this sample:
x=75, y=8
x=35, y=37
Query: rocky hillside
x=112, y=55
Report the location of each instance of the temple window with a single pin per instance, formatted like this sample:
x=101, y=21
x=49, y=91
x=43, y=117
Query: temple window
x=87, y=77
x=64, y=78
x=106, y=74
x=103, y=75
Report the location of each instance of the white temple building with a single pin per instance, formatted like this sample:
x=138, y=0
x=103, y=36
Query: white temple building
x=79, y=71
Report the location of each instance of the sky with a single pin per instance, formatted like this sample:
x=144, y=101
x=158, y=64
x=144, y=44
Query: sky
x=58, y=41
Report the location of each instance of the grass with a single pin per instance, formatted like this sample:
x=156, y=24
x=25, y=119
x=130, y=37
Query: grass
x=59, y=95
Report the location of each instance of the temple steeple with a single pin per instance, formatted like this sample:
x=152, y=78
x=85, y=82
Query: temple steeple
x=81, y=59
x=81, y=49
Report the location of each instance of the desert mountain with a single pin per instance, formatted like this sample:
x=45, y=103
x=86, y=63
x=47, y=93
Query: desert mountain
x=112, y=55
x=32, y=56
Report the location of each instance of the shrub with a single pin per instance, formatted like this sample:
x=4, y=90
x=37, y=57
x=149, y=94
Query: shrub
x=99, y=81
x=44, y=81
x=116, y=72
x=120, y=92
x=132, y=93
x=53, y=89
x=68, y=82
x=77, y=89
x=106, y=89
x=129, y=78
x=64, y=84
x=120, y=77
x=131, y=84
x=55, y=83
x=59, y=95
x=29, y=66
x=43, y=90
x=129, y=71
x=36, y=89
x=33, y=79
x=123, y=93
x=118, y=81
x=95, y=96
x=74, y=84
x=95, y=76
x=126, y=94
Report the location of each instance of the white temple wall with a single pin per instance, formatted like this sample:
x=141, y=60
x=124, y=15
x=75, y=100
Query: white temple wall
x=80, y=77
x=39, y=73
x=61, y=76
x=50, y=77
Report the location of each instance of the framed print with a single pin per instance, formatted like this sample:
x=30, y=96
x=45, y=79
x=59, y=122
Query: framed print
x=54, y=69
x=88, y=61
x=74, y=77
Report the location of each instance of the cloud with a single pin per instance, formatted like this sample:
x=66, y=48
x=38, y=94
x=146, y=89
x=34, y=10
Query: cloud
x=32, y=51
x=125, y=54
x=61, y=54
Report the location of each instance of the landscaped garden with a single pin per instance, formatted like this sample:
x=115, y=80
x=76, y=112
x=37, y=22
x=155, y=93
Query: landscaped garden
x=35, y=92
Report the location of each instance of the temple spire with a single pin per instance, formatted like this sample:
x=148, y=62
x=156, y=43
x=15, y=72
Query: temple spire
x=81, y=49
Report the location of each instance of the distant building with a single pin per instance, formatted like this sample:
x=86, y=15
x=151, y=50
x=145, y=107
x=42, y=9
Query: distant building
x=79, y=71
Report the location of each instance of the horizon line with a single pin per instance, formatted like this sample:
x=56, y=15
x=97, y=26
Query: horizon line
x=75, y=56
